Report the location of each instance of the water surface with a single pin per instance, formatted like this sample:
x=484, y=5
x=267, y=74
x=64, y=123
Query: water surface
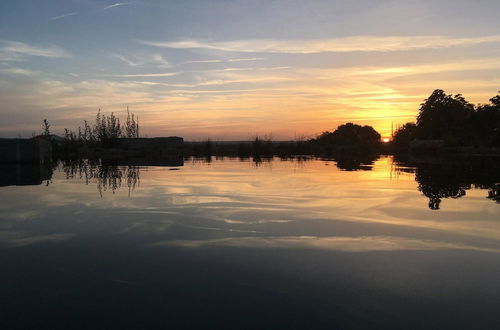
x=241, y=244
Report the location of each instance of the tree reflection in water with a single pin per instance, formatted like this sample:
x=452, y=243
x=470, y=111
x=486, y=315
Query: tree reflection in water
x=494, y=193
x=437, y=178
x=437, y=182
x=452, y=178
x=356, y=162
x=106, y=177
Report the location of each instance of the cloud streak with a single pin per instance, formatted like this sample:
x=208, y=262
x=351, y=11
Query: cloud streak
x=63, y=16
x=17, y=71
x=251, y=59
x=347, y=44
x=118, y=4
x=165, y=74
x=142, y=60
x=15, y=50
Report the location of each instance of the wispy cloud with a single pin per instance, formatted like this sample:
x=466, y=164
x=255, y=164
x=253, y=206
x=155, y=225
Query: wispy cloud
x=165, y=74
x=347, y=44
x=15, y=50
x=118, y=4
x=246, y=59
x=17, y=71
x=143, y=60
x=225, y=61
x=63, y=16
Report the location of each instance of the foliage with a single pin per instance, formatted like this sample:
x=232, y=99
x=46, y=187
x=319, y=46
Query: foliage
x=404, y=135
x=459, y=123
x=86, y=134
x=107, y=128
x=46, y=128
x=131, y=129
x=486, y=123
x=444, y=117
x=350, y=135
x=105, y=132
x=262, y=146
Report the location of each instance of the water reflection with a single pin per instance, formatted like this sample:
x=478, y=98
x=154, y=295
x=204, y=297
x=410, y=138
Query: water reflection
x=357, y=162
x=234, y=243
x=24, y=174
x=438, y=179
x=105, y=177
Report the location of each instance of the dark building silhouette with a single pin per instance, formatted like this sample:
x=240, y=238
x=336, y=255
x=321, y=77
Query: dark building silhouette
x=37, y=150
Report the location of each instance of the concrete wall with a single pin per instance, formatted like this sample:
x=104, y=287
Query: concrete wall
x=25, y=151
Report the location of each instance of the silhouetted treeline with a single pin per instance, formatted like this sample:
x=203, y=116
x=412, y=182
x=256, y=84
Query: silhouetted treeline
x=348, y=138
x=351, y=138
x=454, y=121
x=261, y=147
x=443, y=121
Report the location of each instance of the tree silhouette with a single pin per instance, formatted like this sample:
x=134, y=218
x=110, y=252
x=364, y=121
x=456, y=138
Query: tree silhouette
x=486, y=123
x=445, y=117
x=46, y=128
x=404, y=135
x=131, y=129
x=351, y=135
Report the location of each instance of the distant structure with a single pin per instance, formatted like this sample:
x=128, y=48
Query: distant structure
x=150, y=144
x=36, y=150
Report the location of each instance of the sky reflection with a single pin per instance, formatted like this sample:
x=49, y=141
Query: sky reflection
x=221, y=200
x=237, y=244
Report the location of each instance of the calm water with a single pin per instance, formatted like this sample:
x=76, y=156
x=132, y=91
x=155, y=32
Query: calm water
x=241, y=244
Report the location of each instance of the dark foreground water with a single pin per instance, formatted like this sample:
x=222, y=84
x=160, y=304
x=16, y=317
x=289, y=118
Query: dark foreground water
x=240, y=244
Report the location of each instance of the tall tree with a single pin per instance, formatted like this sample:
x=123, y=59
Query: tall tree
x=445, y=117
x=351, y=135
x=404, y=135
x=486, y=123
x=131, y=126
x=46, y=128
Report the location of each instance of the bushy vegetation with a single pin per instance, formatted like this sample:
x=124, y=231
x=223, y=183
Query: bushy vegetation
x=105, y=132
x=455, y=121
x=106, y=129
x=402, y=137
x=347, y=136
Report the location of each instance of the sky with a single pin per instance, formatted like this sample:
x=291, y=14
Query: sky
x=230, y=70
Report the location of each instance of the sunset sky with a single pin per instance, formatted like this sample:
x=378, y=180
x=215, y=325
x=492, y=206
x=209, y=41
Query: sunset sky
x=231, y=69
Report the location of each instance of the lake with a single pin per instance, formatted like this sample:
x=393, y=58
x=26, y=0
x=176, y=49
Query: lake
x=301, y=243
